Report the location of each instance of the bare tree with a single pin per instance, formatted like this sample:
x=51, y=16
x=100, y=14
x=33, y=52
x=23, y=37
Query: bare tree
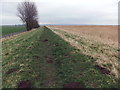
x=27, y=12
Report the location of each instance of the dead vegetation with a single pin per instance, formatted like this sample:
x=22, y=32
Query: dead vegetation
x=104, y=34
x=106, y=55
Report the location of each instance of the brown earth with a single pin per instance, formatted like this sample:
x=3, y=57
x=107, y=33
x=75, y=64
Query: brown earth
x=25, y=84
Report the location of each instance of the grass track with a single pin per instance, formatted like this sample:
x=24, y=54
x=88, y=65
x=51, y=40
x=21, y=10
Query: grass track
x=48, y=61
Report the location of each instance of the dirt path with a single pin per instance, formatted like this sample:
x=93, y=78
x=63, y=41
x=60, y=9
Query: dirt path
x=51, y=78
x=50, y=71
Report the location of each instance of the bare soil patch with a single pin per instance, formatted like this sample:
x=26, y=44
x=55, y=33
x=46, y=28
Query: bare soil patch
x=25, y=84
x=73, y=85
x=11, y=71
x=103, y=70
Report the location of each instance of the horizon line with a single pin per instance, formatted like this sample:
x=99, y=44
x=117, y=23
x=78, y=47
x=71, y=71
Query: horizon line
x=61, y=24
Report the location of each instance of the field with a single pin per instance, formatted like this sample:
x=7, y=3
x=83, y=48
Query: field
x=100, y=42
x=47, y=58
x=104, y=34
x=12, y=29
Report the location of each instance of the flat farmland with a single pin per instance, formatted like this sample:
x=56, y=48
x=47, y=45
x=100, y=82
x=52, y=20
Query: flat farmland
x=104, y=34
x=12, y=29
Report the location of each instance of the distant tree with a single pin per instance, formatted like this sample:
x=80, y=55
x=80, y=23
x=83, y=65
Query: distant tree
x=28, y=13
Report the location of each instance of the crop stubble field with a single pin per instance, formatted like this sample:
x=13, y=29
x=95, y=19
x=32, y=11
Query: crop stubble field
x=70, y=58
x=105, y=34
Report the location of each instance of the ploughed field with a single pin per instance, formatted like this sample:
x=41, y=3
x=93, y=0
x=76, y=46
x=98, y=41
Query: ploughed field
x=47, y=58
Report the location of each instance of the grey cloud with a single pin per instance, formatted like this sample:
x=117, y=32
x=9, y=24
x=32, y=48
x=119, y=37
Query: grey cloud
x=61, y=12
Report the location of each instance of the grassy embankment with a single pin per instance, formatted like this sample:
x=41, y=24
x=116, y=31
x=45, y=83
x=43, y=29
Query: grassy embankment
x=106, y=55
x=47, y=60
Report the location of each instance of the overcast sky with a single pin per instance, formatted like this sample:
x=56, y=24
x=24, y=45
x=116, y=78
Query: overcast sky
x=98, y=12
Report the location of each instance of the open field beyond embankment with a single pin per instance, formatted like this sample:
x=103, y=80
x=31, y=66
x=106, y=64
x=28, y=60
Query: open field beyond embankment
x=12, y=29
x=104, y=34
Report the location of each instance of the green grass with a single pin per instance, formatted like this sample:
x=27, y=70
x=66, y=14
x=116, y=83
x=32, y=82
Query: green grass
x=30, y=54
x=12, y=29
x=105, y=55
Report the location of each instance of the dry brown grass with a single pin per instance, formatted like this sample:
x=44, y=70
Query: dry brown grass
x=106, y=54
x=105, y=34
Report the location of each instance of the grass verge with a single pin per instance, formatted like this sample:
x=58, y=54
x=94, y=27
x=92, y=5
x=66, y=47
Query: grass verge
x=48, y=61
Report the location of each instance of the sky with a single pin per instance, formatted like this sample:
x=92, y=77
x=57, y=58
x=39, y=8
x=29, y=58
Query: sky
x=71, y=12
